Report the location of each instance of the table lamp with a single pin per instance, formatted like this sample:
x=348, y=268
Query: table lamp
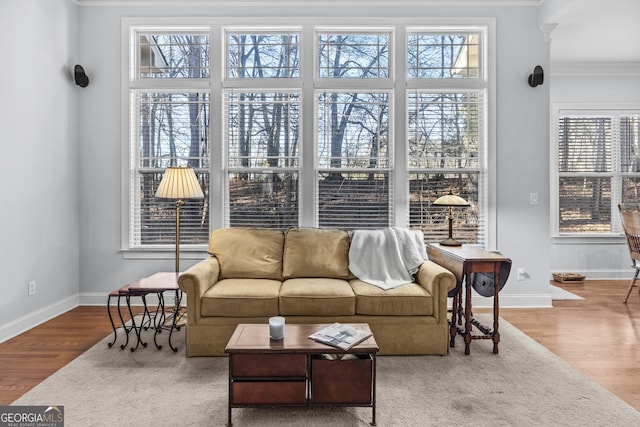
x=451, y=200
x=179, y=182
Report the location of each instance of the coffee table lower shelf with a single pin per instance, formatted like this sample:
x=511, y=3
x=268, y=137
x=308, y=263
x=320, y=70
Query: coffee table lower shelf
x=296, y=372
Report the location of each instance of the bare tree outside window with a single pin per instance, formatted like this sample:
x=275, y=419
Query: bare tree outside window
x=172, y=130
x=335, y=98
x=444, y=133
x=598, y=168
x=353, y=155
x=263, y=129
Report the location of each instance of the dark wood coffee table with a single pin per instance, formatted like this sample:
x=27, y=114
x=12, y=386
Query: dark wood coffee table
x=294, y=372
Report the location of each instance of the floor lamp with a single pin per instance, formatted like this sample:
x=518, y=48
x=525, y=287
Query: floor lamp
x=179, y=183
x=451, y=200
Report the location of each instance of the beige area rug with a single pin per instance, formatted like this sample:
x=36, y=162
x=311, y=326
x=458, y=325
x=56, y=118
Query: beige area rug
x=524, y=385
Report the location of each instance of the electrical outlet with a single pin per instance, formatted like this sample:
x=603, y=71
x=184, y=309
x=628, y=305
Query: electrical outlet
x=521, y=274
x=32, y=287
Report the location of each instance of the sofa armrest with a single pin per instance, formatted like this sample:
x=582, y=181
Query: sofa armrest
x=438, y=281
x=195, y=281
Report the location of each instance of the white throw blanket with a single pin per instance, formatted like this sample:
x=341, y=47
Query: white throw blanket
x=386, y=258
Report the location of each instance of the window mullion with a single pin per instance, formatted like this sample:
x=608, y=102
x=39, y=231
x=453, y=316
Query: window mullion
x=218, y=197
x=399, y=135
x=308, y=175
x=616, y=172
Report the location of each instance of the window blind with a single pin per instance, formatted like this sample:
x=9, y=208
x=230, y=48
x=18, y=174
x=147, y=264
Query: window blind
x=262, y=143
x=172, y=130
x=155, y=219
x=343, y=81
x=445, y=139
x=354, y=200
x=598, y=157
x=265, y=199
x=353, y=153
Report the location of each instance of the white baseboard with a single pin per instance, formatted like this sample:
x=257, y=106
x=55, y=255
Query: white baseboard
x=97, y=299
x=35, y=318
x=625, y=274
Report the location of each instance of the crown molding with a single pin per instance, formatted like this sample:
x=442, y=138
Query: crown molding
x=297, y=3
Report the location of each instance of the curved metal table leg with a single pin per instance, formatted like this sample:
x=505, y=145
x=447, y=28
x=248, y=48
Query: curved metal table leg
x=115, y=331
x=124, y=325
x=137, y=329
x=176, y=310
x=159, y=319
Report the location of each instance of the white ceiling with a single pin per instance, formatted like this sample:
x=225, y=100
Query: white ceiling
x=594, y=30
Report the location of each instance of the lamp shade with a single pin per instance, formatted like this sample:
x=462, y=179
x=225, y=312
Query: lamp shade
x=451, y=200
x=179, y=182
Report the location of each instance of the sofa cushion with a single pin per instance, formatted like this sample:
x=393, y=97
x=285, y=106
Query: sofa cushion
x=314, y=252
x=405, y=300
x=316, y=297
x=248, y=253
x=241, y=298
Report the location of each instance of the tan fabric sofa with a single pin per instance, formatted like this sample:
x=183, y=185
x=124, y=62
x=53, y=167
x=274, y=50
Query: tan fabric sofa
x=303, y=275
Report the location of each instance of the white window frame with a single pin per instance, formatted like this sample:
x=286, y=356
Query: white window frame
x=130, y=27
x=272, y=85
x=485, y=84
x=596, y=110
x=349, y=85
x=398, y=82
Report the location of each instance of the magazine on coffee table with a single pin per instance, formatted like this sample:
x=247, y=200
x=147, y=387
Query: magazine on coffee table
x=341, y=336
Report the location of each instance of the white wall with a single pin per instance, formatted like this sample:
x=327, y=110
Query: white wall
x=39, y=172
x=523, y=153
x=62, y=226
x=590, y=84
x=522, y=135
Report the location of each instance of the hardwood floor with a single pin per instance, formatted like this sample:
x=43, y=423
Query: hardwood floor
x=599, y=336
x=31, y=357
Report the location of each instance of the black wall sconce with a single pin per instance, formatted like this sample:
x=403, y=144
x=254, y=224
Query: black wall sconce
x=81, y=77
x=537, y=77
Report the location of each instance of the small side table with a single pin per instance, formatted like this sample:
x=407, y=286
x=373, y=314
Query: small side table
x=463, y=261
x=158, y=284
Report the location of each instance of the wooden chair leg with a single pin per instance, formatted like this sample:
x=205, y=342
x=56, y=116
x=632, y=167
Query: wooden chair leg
x=631, y=286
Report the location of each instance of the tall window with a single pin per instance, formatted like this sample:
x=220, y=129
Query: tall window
x=598, y=167
x=169, y=127
x=354, y=178
x=262, y=158
x=347, y=127
x=446, y=131
x=262, y=124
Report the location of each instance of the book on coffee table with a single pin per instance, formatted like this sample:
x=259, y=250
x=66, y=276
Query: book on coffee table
x=341, y=336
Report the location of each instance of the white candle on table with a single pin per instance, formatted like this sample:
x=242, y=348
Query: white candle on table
x=276, y=327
